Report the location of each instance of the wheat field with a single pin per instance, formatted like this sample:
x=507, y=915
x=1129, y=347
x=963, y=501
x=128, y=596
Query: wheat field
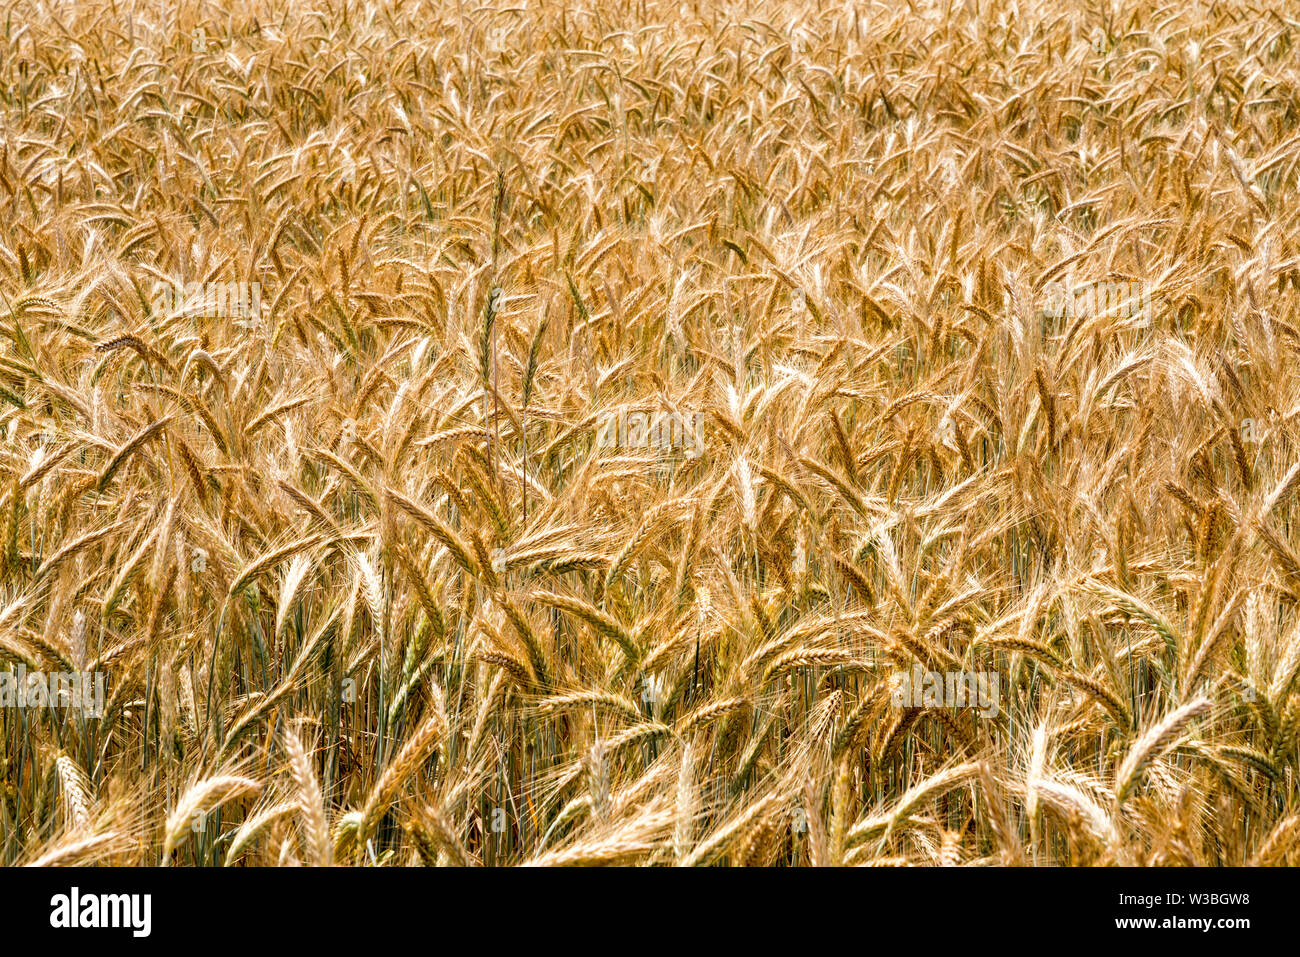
x=598, y=433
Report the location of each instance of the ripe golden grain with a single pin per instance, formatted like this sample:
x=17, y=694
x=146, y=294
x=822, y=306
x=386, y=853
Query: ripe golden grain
x=361, y=536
